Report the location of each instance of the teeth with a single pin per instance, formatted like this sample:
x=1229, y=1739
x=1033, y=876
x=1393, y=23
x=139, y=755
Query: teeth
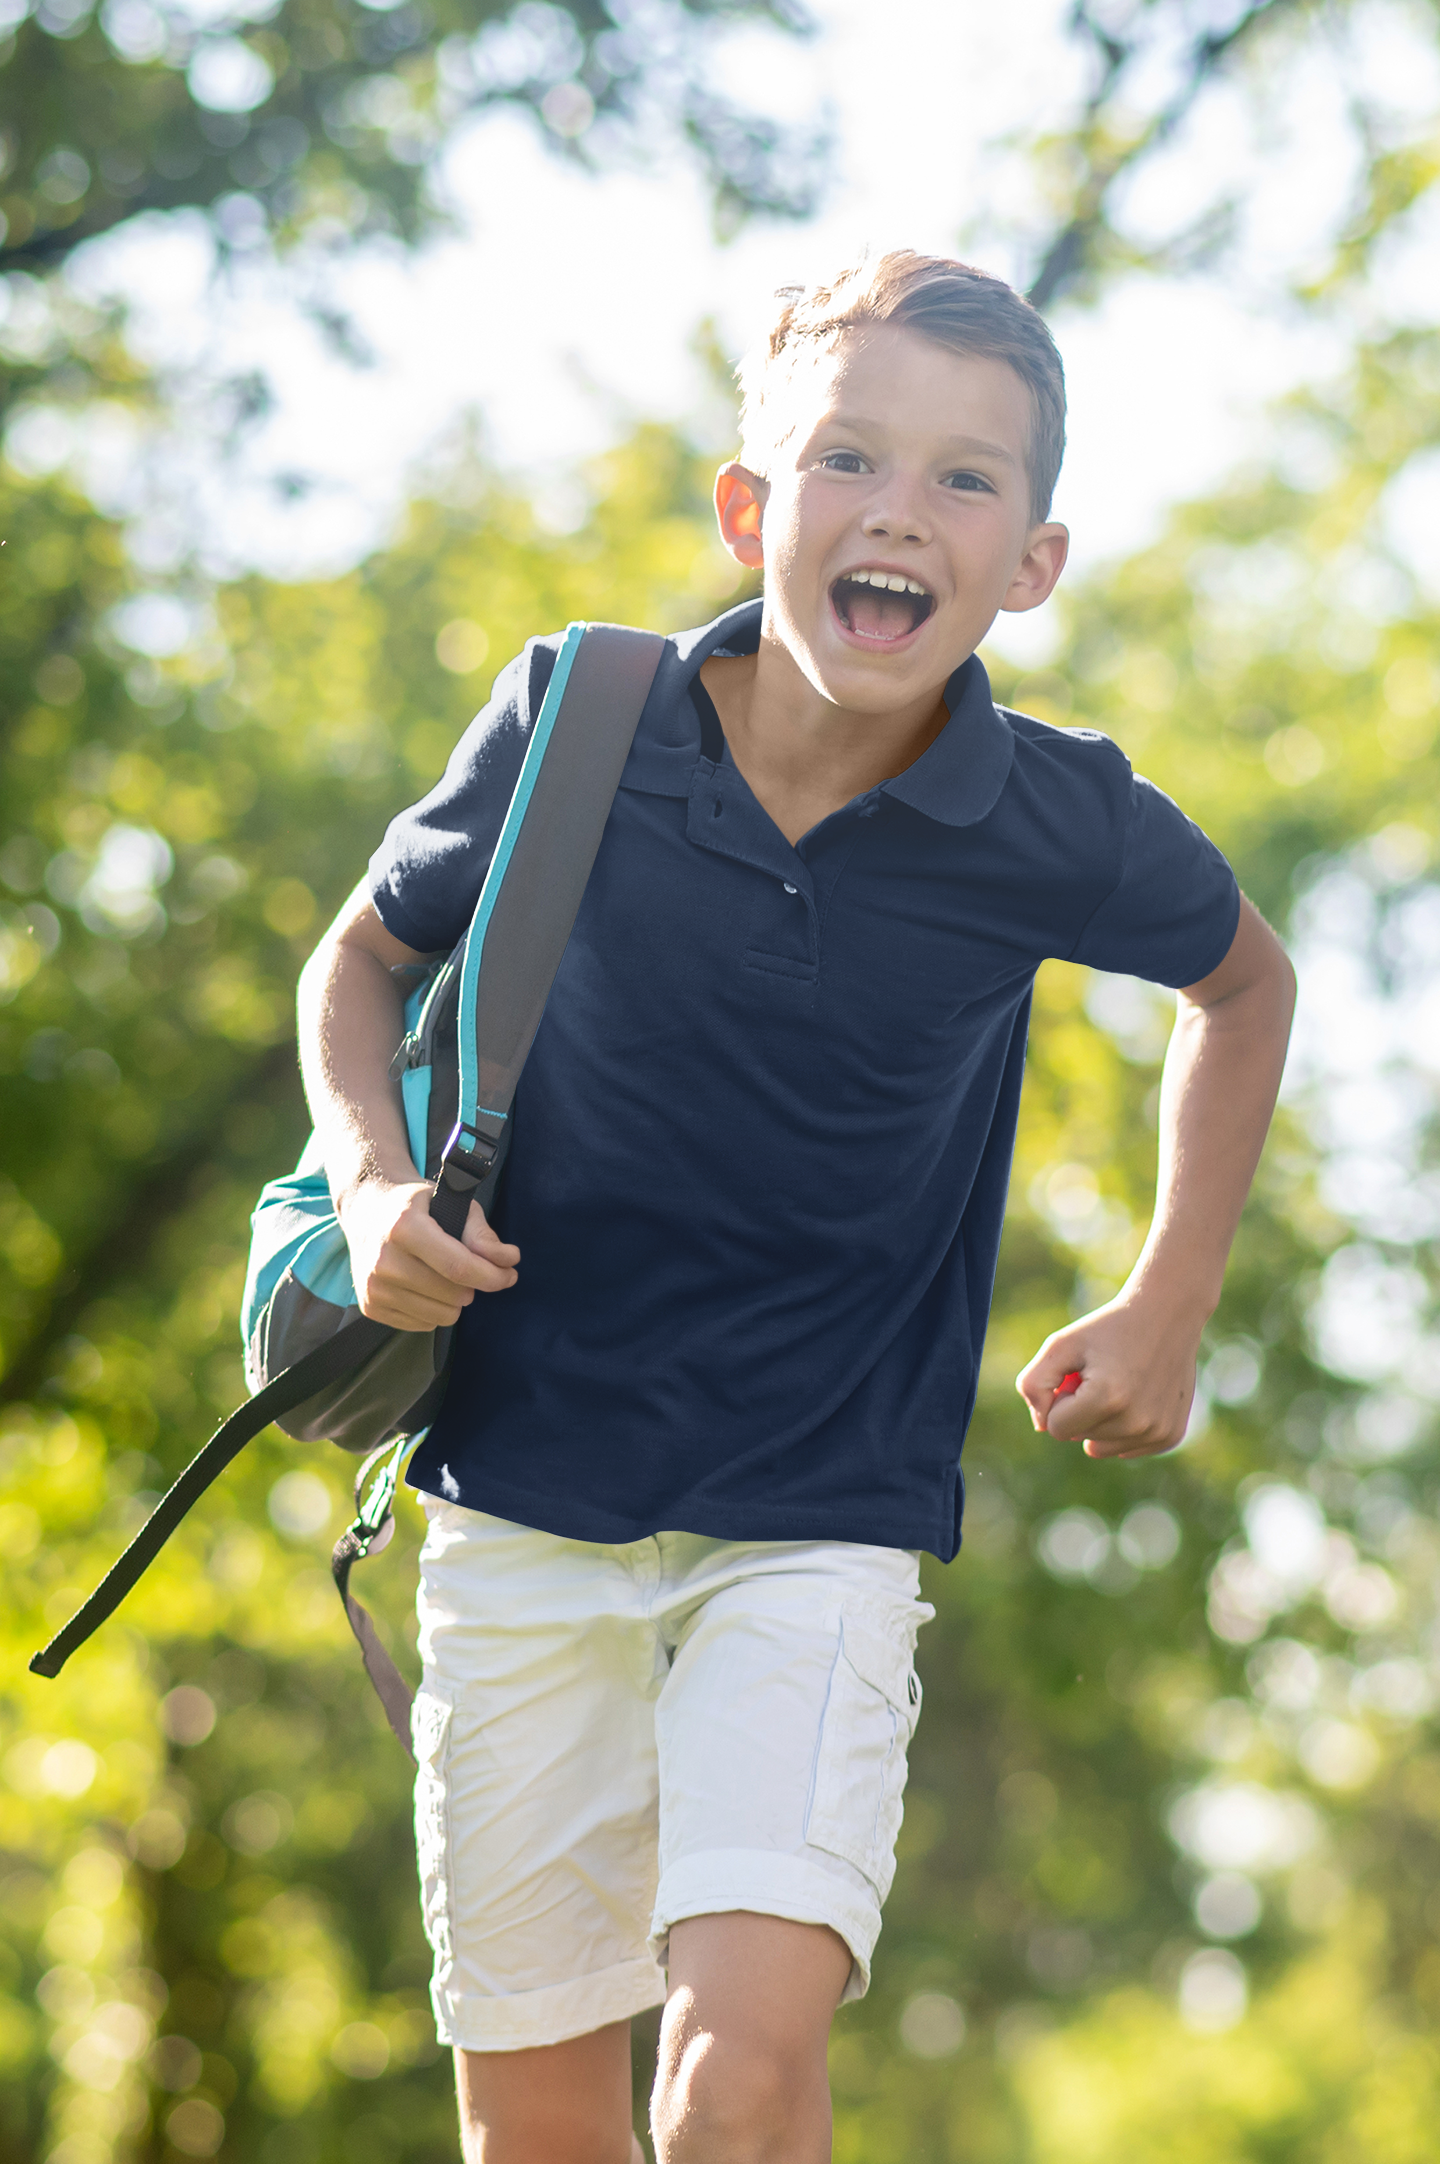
x=888, y=581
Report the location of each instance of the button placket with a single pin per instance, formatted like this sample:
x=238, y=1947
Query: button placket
x=726, y=819
x=785, y=940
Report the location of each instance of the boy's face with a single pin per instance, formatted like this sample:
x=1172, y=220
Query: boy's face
x=906, y=468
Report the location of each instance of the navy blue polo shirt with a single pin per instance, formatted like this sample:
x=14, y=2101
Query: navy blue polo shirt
x=762, y=1141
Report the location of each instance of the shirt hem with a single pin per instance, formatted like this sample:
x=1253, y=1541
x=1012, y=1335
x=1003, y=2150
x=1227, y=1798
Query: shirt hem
x=1219, y=956
x=542, y=1514
x=398, y=924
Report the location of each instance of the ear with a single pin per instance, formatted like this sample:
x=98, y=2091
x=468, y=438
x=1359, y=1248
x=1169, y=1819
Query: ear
x=1046, y=548
x=740, y=507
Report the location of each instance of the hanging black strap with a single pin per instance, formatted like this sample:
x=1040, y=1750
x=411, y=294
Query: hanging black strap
x=340, y=1355
x=367, y=1535
x=348, y=1349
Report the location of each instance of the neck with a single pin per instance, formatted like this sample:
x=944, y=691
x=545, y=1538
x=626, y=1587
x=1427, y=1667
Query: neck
x=802, y=756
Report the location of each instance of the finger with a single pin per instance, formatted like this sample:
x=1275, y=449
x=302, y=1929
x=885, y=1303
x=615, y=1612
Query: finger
x=1098, y=1447
x=413, y=1316
x=1053, y=1369
x=1069, y=1386
x=481, y=1238
x=404, y=1309
x=418, y=1235
x=408, y=1272
x=1130, y=1433
x=406, y=1293
x=1086, y=1408
x=1106, y=1428
x=1038, y=1395
x=401, y=1270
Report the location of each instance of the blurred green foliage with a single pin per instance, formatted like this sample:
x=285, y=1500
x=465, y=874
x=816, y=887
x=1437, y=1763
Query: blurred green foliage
x=325, y=117
x=1162, y=1769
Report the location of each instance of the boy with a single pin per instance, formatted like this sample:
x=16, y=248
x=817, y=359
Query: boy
x=686, y=1464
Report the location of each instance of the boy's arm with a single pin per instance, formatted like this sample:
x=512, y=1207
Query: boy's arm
x=406, y=1270
x=1136, y=1356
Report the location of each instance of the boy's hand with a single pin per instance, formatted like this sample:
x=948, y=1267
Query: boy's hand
x=1137, y=1381
x=408, y=1272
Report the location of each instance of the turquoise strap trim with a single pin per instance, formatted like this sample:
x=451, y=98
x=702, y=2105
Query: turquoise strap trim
x=415, y=1099
x=499, y=865
x=376, y=1506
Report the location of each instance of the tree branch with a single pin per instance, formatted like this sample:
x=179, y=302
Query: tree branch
x=1075, y=248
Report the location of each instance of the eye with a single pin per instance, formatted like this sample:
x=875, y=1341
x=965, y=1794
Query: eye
x=842, y=462
x=976, y=483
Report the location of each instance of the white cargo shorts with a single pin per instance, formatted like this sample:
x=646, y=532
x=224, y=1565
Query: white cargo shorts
x=612, y=1738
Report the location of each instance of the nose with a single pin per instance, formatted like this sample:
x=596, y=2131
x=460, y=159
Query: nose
x=896, y=514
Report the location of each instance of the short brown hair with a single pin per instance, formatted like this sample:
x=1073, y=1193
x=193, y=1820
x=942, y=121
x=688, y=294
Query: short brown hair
x=946, y=301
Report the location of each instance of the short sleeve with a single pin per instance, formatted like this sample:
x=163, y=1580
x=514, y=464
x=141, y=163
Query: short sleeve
x=1171, y=915
x=426, y=876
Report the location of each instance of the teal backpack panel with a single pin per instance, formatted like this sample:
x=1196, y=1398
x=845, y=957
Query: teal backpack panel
x=298, y=1288
x=293, y=1225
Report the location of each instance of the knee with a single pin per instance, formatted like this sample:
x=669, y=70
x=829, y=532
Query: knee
x=721, y=2101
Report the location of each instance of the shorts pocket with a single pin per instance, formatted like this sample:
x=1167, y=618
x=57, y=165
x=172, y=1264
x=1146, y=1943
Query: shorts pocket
x=870, y=1716
x=430, y=1732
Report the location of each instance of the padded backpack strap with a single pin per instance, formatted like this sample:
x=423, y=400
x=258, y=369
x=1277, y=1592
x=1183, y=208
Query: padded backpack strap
x=542, y=863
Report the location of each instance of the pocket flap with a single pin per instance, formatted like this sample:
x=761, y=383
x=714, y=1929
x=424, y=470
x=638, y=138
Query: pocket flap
x=877, y=1660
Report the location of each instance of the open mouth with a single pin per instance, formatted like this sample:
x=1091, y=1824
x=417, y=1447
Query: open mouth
x=880, y=605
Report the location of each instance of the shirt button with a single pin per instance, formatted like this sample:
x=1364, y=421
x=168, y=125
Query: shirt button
x=789, y=889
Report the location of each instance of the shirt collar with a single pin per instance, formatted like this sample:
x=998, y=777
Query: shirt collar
x=959, y=779
x=956, y=781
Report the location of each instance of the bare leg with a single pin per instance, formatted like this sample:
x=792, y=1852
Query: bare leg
x=742, y=2077
x=562, y=2104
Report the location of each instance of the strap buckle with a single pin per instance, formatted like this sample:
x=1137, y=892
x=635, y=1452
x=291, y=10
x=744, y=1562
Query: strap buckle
x=469, y=1156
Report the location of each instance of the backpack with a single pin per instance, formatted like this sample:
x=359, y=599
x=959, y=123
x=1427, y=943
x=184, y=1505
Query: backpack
x=315, y=1365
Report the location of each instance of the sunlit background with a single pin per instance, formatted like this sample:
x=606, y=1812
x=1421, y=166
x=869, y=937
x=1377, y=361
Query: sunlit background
x=347, y=346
